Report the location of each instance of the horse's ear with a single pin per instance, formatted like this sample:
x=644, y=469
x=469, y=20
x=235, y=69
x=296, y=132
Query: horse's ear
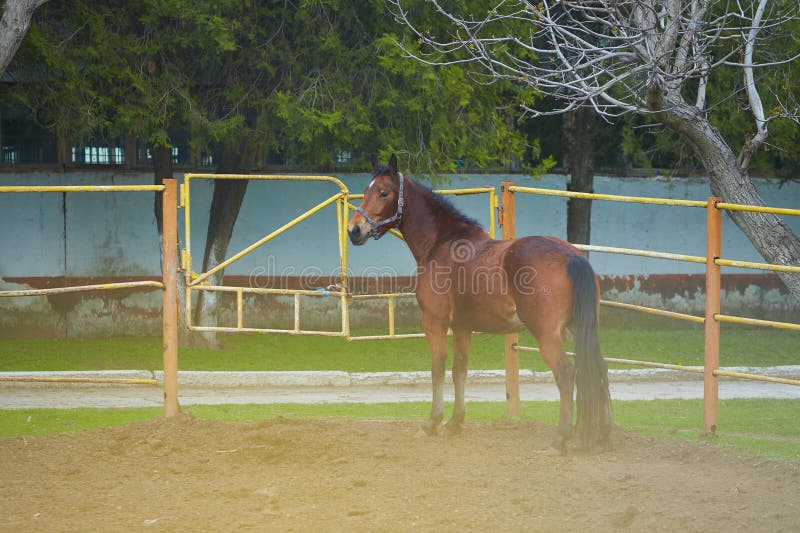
x=393, y=164
x=374, y=160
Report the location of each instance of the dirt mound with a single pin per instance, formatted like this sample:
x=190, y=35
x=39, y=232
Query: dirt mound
x=185, y=474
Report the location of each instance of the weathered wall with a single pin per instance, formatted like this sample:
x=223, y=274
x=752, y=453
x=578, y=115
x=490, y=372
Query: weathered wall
x=50, y=239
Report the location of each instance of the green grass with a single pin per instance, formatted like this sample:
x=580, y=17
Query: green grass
x=739, y=347
x=765, y=428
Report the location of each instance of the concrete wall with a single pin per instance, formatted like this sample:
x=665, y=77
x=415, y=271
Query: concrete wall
x=50, y=238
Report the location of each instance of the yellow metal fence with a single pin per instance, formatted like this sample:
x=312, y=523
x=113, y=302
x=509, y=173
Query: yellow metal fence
x=342, y=200
x=73, y=189
x=713, y=316
x=199, y=282
x=170, y=400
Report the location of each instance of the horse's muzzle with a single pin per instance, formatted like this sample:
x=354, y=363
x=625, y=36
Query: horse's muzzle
x=357, y=235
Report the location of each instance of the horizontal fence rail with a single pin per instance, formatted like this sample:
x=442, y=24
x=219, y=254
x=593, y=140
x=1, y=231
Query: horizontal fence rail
x=230, y=329
x=608, y=197
x=681, y=368
x=82, y=188
x=757, y=266
x=168, y=284
x=84, y=288
x=641, y=253
x=199, y=282
x=295, y=293
x=756, y=322
x=344, y=204
x=320, y=293
x=756, y=377
x=653, y=311
x=621, y=361
x=758, y=209
x=390, y=297
x=111, y=381
x=713, y=263
x=295, y=221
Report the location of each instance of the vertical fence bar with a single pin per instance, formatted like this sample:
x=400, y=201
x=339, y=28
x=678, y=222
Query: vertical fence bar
x=186, y=258
x=341, y=216
x=391, y=316
x=507, y=223
x=296, y=313
x=169, y=275
x=713, y=285
x=492, y=209
x=239, y=310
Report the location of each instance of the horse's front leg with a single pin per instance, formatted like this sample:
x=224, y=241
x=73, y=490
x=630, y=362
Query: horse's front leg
x=461, y=343
x=436, y=335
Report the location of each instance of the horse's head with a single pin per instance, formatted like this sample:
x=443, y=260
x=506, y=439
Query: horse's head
x=382, y=206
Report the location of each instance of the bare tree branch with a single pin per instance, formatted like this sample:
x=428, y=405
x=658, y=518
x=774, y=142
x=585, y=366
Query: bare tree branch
x=13, y=27
x=602, y=54
x=652, y=57
x=756, y=106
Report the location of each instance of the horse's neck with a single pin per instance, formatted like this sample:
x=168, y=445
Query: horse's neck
x=424, y=224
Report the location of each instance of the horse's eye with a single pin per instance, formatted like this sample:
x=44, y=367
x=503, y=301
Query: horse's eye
x=384, y=194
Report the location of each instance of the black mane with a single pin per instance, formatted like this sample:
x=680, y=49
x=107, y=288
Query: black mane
x=444, y=203
x=449, y=208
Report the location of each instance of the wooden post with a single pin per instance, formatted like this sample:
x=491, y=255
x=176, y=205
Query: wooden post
x=713, y=283
x=507, y=223
x=169, y=274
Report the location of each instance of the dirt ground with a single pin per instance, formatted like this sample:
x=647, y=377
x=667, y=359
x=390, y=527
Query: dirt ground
x=185, y=474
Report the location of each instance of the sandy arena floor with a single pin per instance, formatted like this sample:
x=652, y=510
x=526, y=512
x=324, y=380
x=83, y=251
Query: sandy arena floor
x=341, y=475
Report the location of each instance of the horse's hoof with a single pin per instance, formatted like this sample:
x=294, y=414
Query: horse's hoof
x=452, y=428
x=430, y=428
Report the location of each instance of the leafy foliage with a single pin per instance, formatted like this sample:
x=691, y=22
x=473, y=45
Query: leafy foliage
x=292, y=82
x=299, y=83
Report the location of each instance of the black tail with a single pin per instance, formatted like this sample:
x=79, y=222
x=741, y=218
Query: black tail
x=591, y=377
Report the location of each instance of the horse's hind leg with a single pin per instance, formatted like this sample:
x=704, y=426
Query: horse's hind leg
x=564, y=375
x=436, y=335
x=461, y=344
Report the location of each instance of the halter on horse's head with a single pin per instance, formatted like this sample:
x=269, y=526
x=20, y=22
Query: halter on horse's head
x=382, y=206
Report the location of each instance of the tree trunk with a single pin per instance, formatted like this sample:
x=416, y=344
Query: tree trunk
x=130, y=152
x=225, y=205
x=770, y=236
x=162, y=170
x=13, y=27
x=63, y=151
x=578, y=129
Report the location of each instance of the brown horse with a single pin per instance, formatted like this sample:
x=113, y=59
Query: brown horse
x=467, y=281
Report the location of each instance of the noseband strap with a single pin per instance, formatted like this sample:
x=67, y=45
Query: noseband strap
x=375, y=225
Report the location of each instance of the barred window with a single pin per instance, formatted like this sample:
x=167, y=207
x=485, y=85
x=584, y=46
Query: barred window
x=98, y=155
x=10, y=155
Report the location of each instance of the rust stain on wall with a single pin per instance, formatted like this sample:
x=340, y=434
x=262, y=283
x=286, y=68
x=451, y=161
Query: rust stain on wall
x=138, y=310
x=669, y=285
